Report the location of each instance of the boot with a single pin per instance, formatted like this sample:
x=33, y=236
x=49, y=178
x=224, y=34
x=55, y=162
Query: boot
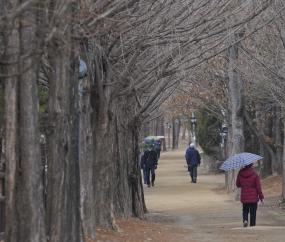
x=152, y=179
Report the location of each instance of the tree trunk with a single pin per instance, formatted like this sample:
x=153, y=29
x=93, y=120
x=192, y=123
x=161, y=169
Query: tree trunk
x=229, y=175
x=163, y=133
x=24, y=213
x=174, y=134
x=183, y=133
x=267, y=162
x=189, y=136
x=86, y=164
x=177, y=133
x=237, y=107
x=283, y=177
x=63, y=188
x=128, y=196
x=265, y=165
x=117, y=175
x=279, y=149
x=3, y=142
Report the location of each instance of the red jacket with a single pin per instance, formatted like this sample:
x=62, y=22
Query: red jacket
x=249, y=182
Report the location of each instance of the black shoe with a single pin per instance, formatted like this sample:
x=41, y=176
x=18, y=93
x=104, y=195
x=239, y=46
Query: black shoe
x=148, y=185
x=194, y=179
x=152, y=183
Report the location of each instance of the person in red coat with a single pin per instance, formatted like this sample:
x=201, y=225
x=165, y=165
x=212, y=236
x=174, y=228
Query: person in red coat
x=251, y=192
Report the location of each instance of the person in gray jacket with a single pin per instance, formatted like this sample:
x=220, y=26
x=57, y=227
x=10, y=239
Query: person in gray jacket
x=193, y=160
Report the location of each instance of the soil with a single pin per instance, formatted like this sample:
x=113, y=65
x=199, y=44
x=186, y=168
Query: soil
x=183, y=211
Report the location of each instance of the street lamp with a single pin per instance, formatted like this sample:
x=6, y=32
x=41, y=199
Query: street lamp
x=82, y=74
x=168, y=126
x=193, y=126
x=224, y=131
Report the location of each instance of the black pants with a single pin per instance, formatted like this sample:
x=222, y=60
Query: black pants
x=158, y=153
x=249, y=208
x=193, y=171
x=147, y=171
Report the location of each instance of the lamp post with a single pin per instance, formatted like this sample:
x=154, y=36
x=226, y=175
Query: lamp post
x=193, y=125
x=82, y=74
x=224, y=131
x=168, y=126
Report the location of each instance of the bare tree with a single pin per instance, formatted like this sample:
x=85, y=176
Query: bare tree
x=23, y=39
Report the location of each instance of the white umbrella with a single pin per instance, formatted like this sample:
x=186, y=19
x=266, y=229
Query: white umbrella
x=239, y=160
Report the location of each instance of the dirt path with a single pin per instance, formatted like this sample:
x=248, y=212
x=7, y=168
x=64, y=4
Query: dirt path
x=207, y=215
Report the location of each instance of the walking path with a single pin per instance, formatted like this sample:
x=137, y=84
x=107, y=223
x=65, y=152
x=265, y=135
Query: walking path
x=209, y=216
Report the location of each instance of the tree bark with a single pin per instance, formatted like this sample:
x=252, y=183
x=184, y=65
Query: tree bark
x=237, y=100
x=283, y=177
x=177, y=133
x=87, y=195
x=265, y=164
x=189, y=136
x=24, y=215
x=183, y=133
x=278, y=167
x=11, y=54
x=174, y=128
x=62, y=124
x=163, y=133
x=229, y=175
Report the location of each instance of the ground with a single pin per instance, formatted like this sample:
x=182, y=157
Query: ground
x=183, y=211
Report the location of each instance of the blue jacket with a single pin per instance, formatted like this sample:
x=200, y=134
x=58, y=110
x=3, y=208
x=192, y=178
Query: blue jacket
x=192, y=157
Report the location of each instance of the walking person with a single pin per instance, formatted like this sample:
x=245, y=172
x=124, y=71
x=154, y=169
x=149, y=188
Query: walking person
x=150, y=164
x=251, y=192
x=193, y=160
x=157, y=145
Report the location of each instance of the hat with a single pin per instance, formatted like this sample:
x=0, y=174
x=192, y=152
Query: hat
x=248, y=166
x=192, y=145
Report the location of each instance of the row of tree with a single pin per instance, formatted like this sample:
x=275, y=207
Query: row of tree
x=244, y=87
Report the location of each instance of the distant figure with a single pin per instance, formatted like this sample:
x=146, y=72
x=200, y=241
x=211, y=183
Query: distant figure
x=251, y=192
x=193, y=160
x=150, y=164
x=157, y=146
x=142, y=167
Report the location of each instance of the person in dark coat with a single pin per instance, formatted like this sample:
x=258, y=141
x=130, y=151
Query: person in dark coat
x=251, y=192
x=157, y=148
x=142, y=167
x=193, y=160
x=150, y=164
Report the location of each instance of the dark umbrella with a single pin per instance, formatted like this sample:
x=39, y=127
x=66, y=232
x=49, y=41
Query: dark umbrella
x=147, y=140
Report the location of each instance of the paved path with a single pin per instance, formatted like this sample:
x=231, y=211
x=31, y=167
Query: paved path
x=209, y=216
